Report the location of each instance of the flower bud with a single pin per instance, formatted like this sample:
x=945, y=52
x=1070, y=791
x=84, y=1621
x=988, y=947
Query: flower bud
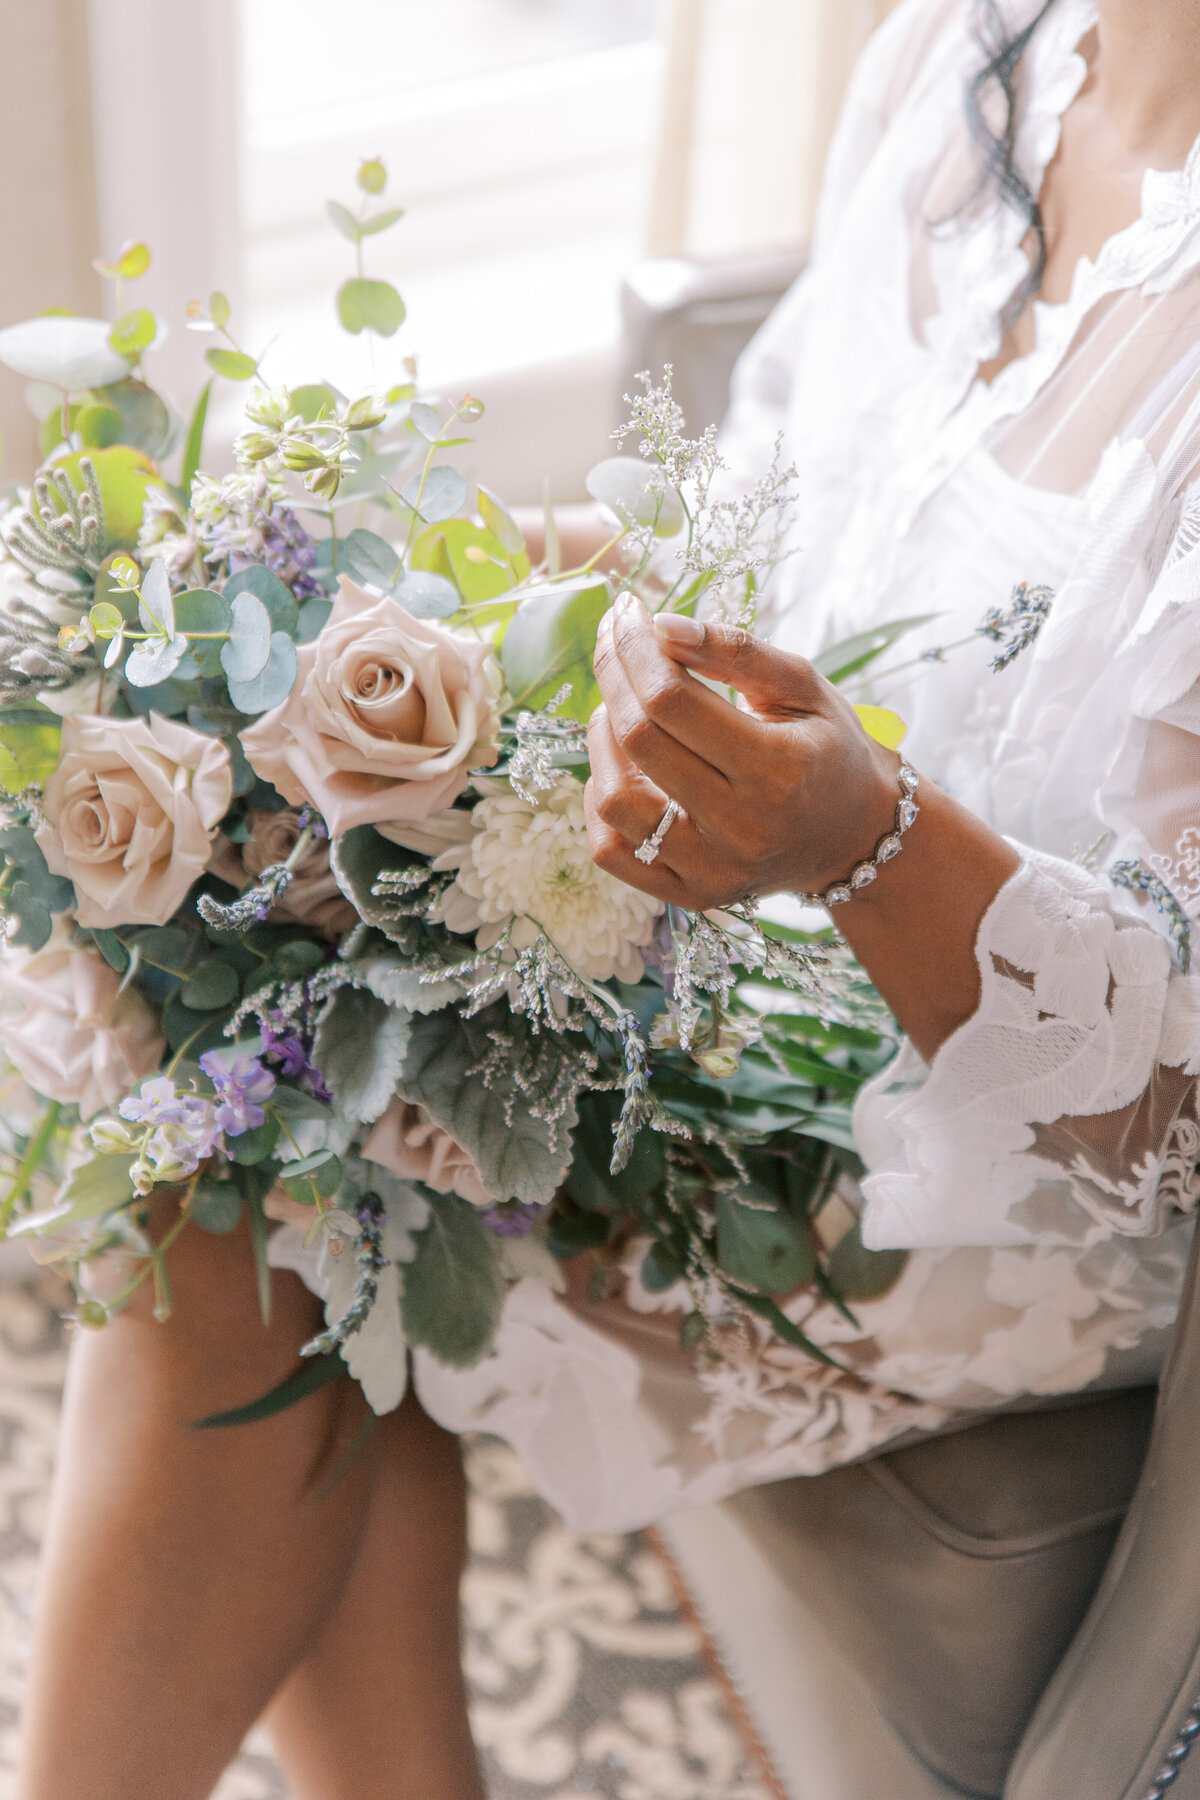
x=325, y=483
x=718, y=1062
x=295, y=454
x=93, y=1315
x=365, y=413
x=112, y=1137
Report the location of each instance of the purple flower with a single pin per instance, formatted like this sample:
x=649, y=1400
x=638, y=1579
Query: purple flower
x=158, y=1103
x=284, y=1049
x=515, y=1219
x=241, y=1086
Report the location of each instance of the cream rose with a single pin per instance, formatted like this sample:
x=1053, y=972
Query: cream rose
x=130, y=814
x=407, y=1142
x=387, y=716
x=312, y=897
x=68, y=1030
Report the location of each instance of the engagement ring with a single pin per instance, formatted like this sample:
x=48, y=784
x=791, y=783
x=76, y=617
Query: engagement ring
x=649, y=848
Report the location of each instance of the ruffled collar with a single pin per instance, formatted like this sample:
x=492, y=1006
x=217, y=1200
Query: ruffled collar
x=978, y=268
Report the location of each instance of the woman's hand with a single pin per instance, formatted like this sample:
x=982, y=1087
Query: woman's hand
x=786, y=791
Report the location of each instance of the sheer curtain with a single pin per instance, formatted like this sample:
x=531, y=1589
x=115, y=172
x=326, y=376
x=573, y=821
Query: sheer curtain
x=751, y=94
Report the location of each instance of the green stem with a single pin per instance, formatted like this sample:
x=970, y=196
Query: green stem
x=30, y=1163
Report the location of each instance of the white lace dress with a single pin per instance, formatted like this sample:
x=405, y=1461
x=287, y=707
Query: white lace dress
x=1043, y=1170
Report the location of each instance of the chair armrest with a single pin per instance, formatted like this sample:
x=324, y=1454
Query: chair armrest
x=698, y=314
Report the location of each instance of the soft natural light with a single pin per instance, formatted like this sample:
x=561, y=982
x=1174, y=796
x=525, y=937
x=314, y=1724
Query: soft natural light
x=516, y=134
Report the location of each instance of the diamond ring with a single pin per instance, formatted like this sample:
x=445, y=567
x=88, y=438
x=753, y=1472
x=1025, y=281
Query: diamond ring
x=649, y=848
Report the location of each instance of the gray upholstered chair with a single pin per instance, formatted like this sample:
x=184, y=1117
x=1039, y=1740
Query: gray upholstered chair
x=1013, y=1609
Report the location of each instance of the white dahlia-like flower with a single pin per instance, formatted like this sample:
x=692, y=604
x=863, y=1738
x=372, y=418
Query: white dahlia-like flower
x=524, y=865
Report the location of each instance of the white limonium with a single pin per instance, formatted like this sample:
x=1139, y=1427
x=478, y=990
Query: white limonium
x=523, y=866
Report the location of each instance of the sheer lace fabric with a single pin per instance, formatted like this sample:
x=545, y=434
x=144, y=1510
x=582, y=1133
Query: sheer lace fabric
x=1042, y=1172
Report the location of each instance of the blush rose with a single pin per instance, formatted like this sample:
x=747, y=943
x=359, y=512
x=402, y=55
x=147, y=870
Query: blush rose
x=408, y=1142
x=386, y=718
x=130, y=814
x=66, y=1027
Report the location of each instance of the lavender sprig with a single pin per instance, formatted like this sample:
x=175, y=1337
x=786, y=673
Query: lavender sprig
x=255, y=905
x=371, y=1263
x=1138, y=879
x=1016, y=625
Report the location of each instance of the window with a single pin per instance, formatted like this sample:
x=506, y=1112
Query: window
x=517, y=136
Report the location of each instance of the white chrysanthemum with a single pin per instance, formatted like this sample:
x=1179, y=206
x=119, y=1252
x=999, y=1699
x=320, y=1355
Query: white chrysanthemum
x=524, y=865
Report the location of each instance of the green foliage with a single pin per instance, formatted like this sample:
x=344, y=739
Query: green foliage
x=861, y=1274
x=453, y=1289
x=245, y=653
x=234, y=365
x=312, y=1375
x=273, y=684
x=551, y=640
x=637, y=493
x=124, y=475
x=30, y=739
x=473, y=557
x=193, y=449
x=312, y=1178
x=853, y=654
x=518, y=1154
x=133, y=333
x=760, y=1245
x=361, y=1048
x=370, y=306
x=436, y=494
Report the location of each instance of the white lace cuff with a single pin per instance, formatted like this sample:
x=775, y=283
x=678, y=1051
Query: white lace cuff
x=1062, y=1110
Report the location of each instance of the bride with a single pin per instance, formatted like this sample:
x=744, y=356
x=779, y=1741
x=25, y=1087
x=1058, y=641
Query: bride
x=990, y=375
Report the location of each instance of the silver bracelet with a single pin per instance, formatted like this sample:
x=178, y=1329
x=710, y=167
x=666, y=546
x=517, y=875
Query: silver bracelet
x=887, y=847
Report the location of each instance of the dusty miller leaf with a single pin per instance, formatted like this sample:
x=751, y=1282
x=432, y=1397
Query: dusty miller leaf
x=360, y=1049
x=454, y=1287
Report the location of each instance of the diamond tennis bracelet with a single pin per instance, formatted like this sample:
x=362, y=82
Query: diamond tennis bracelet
x=887, y=847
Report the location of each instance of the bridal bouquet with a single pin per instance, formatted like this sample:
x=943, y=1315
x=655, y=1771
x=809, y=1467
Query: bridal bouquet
x=300, y=920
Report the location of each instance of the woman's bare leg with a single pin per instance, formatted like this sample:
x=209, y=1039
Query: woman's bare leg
x=186, y=1573
x=377, y=1710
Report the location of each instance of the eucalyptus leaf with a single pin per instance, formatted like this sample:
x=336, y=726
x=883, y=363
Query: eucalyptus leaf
x=381, y=221
x=438, y=496
x=370, y=306
x=454, y=1287
x=154, y=660
x=360, y=1049
x=371, y=558
x=500, y=521
x=156, y=608
x=552, y=639
x=275, y=683
x=133, y=333
x=312, y=1178
x=19, y=846
x=246, y=651
x=427, y=596
x=314, y=616
x=28, y=921
x=313, y=400
x=760, y=1244
x=427, y=420
x=857, y=1273
x=344, y=219
x=638, y=493
x=235, y=365
x=68, y=353
x=275, y=595
x=210, y=985
x=203, y=610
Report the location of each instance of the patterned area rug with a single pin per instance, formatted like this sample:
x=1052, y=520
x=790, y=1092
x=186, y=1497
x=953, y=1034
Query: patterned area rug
x=586, y=1677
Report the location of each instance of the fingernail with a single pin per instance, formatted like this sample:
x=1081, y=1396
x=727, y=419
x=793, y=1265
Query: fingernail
x=625, y=602
x=678, y=628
